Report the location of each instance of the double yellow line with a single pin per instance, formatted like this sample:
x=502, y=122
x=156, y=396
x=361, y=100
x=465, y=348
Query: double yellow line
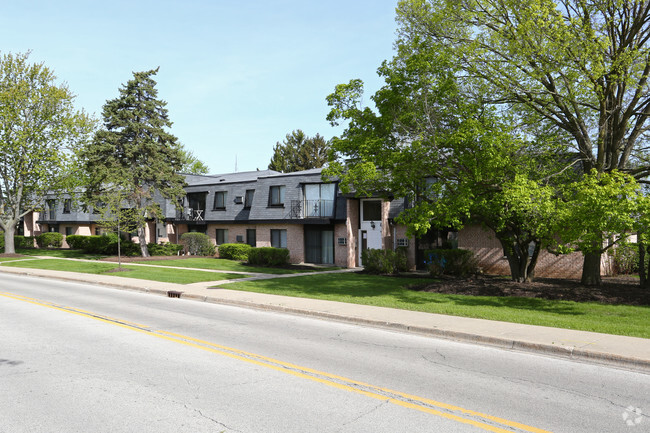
x=443, y=410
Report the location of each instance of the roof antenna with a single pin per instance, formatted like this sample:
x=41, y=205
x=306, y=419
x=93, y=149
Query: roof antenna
x=235, y=163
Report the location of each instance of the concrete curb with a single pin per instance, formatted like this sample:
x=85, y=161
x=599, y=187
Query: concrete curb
x=560, y=351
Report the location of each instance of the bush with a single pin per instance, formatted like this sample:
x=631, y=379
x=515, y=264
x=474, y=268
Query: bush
x=234, y=251
x=625, y=259
x=107, y=244
x=165, y=249
x=19, y=241
x=76, y=242
x=50, y=239
x=198, y=244
x=268, y=256
x=376, y=261
x=456, y=262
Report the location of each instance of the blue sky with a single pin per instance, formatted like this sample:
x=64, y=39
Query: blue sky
x=237, y=75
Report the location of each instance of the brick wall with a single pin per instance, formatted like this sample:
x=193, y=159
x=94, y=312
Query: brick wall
x=491, y=259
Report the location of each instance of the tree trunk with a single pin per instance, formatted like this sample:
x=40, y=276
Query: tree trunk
x=591, y=269
x=644, y=270
x=143, y=241
x=10, y=248
x=517, y=260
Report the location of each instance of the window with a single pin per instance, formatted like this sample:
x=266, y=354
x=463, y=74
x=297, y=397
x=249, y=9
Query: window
x=251, y=237
x=67, y=205
x=372, y=210
x=220, y=200
x=279, y=238
x=248, y=200
x=68, y=231
x=222, y=236
x=276, y=195
x=51, y=206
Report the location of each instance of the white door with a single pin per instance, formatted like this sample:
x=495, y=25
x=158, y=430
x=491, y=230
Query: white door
x=370, y=230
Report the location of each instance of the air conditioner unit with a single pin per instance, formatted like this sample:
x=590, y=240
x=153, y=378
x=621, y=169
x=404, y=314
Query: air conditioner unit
x=240, y=238
x=404, y=242
x=342, y=241
x=239, y=200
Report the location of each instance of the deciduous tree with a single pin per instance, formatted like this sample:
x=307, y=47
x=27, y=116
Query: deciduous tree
x=40, y=133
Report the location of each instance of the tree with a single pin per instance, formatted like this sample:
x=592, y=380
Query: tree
x=40, y=132
x=299, y=152
x=136, y=153
x=579, y=66
x=192, y=165
x=453, y=157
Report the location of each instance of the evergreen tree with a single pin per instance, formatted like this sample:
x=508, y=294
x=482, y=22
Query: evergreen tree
x=299, y=152
x=135, y=151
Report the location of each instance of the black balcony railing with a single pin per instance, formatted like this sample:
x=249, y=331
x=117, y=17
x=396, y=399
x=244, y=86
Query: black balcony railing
x=312, y=209
x=189, y=214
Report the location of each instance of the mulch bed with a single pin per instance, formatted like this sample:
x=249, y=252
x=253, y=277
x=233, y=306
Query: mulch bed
x=11, y=255
x=613, y=290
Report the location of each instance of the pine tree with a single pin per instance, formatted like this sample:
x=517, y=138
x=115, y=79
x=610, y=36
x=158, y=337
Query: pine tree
x=299, y=152
x=135, y=151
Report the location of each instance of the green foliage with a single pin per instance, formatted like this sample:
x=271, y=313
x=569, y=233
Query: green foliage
x=625, y=258
x=268, y=256
x=299, y=152
x=50, y=239
x=198, y=244
x=76, y=242
x=40, y=133
x=107, y=244
x=456, y=262
x=376, y=261
x=165, y=249
x=19, y=241
x=134, y=156
x=234, y=251
x=191, y=164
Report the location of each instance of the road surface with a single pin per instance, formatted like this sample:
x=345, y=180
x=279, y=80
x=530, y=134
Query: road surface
x=79, y=358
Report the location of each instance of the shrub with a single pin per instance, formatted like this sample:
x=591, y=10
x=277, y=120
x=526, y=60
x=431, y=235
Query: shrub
x=268, y=256
x=198, y=244
x=107, y=244
x=376, y=261
x=625, y=259
x=164, y=249
x=76, y=242
x=454, y=262
x=234, y=251
x=19, y=241
x=49, y=239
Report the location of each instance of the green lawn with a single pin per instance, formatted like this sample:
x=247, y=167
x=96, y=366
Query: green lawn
x=392, y=292
x=62, y=253
x=140, y=272
x=226, y=265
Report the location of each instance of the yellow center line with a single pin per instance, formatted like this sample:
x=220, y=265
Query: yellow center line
x=444, y=410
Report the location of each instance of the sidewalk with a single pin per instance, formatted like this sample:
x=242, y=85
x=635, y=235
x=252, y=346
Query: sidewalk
x=619, y=351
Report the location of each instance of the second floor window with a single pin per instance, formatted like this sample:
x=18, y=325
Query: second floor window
x=248, y=200
x=220, y=200
x=276, y=195
x=67, y=205
x=51, y=207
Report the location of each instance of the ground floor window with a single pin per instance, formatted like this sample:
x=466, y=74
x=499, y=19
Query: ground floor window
x=319, y=245
x=68, y=231
x=278, y=238
x=221, y=236
x=251, y=235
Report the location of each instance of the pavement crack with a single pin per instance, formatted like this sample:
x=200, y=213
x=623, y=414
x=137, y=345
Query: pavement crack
x=211, y=419
x=363, y=415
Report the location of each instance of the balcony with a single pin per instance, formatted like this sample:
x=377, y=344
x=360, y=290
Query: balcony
x=312, y=209
x=190, y=215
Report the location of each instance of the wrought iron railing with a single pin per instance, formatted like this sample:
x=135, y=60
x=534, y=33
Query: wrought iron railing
x=189, y=214
x=312, y=209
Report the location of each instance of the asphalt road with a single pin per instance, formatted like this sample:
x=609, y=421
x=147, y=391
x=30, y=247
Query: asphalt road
x=80, y=358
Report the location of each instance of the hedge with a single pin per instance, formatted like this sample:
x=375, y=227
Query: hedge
x=76, y=242
x=376, y=261
x=455, y=262
x=107, y=244
x=234, y=251
x=166, y=249
x=268, y=256
x=198, y=244
x=19, y=241
x=49, y=239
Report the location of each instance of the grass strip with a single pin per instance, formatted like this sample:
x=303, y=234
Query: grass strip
x=393, y=293
x=138, y=272
x=63, y=253
x=227, y=265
